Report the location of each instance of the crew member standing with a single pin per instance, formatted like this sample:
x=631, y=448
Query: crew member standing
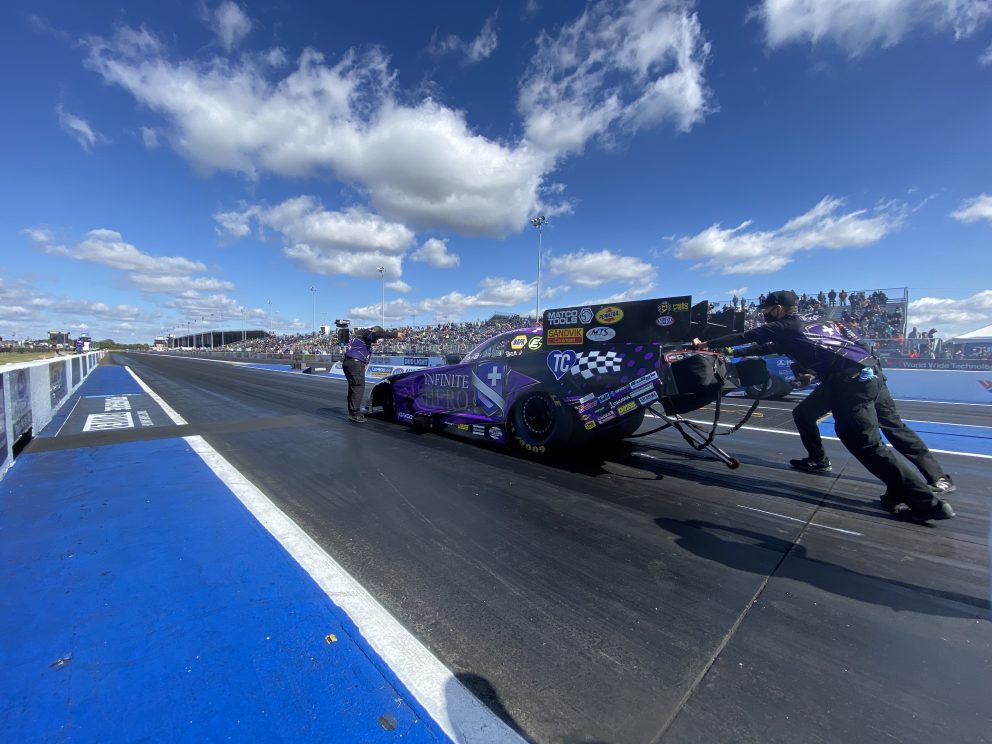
x=853, y=382
x=356, y=359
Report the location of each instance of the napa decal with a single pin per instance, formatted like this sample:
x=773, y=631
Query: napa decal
x=600, y=333
x=518, y=342
x=609, y=315
x=565, y=336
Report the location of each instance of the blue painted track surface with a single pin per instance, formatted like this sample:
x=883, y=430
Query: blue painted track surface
x=975, y=440
x=142, y=601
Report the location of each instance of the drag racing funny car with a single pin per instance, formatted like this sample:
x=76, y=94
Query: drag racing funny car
x=586, y=375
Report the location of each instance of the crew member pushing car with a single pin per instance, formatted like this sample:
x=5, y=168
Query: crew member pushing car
x=356, y=359
x=853, y=381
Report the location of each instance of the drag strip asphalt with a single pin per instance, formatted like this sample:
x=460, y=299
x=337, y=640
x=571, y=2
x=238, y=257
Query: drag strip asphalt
x=643, y=594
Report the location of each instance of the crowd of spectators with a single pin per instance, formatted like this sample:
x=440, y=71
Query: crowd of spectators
x=871, y=315
x=442, y=338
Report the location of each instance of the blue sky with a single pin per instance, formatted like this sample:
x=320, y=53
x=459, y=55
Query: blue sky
x=178, y=163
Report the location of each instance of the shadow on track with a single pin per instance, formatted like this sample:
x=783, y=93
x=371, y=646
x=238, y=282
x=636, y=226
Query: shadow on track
x=749, y=551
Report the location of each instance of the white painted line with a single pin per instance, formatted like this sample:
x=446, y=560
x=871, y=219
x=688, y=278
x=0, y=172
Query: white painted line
x=176, y=418
x=456, y=710
x=811, y=524
x=823, y=436
x=459, y=713
x=69, y=416
x=943, y=402
x=941, y=423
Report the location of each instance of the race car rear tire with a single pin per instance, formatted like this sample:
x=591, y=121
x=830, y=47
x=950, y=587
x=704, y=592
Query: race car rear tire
x=387, y=399
x=542, y=425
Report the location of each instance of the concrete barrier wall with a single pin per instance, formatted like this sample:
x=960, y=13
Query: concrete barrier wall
x=948, y=386
x=32, y=393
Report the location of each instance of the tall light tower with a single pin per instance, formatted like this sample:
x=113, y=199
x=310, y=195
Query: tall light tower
x=539, y=222
x=313, y=295
x=382, y=305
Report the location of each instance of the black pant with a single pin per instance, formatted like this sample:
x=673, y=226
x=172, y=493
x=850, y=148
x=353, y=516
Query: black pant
x=354, y=371
x=856, y=422
x=905, y=441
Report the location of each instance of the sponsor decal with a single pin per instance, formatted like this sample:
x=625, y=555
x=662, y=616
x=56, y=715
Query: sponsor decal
x=530, y=447
x=609, y=315
x=665, y=320
x=404, y=416
x=589, y=364
x=585, y=315
x=586, y=398
x=416, y=362
x=590, y=424
x=600, y=333
x=488, y=379
x=496, y=433
x=446, y=380
x=462, y=427
x=664, y=308
x=377, y=371
x=608, y=416
x=564, y=336
x=680, y=307
x=518, y=342
x=479, y=430
x=559, y=362
x=626, y=408
x=562, y=317
x=647, y=399
x=649, y=377
x=535, y=343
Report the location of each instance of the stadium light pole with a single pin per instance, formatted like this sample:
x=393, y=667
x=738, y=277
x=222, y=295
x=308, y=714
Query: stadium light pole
x=539, y=222
x=382, y=305
x=313, y=320
x=271, y=330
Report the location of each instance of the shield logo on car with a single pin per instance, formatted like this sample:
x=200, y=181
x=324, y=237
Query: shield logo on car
x=488, y=379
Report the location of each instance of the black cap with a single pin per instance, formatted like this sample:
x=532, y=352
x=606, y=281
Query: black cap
x=784, y=297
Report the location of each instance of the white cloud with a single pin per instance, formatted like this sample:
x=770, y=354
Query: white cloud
x=351, y=241
x=951, y=317
x=592, y=269
x=149, y=135
x=986, y=57
x=857, y=25
x=419, y=164
x=80, y=130
x=974, y=209
x=618, y=67
x=176, y=284
x=630, y=65
x=476, y=50
x=435, y=253
x=495, y=293
x=399, y=286
x=740, y=250
x=107, y=248
x=230, y=24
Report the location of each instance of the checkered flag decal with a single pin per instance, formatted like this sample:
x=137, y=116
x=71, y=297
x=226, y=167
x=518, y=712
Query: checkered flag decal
x=592, y=363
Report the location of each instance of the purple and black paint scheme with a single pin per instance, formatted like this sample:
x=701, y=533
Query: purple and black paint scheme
x=586, y=372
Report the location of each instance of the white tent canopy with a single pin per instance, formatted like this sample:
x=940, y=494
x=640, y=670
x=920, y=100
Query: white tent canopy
x=977, y=336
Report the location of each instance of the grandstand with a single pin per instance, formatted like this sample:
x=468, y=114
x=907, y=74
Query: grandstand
x=879, y=316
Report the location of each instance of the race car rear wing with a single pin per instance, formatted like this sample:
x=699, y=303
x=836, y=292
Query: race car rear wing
x=664, y=320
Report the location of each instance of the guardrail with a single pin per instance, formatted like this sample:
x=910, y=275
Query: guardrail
x=31, y=393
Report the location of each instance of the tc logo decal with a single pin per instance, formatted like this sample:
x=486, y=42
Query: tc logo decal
x=559, y=362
